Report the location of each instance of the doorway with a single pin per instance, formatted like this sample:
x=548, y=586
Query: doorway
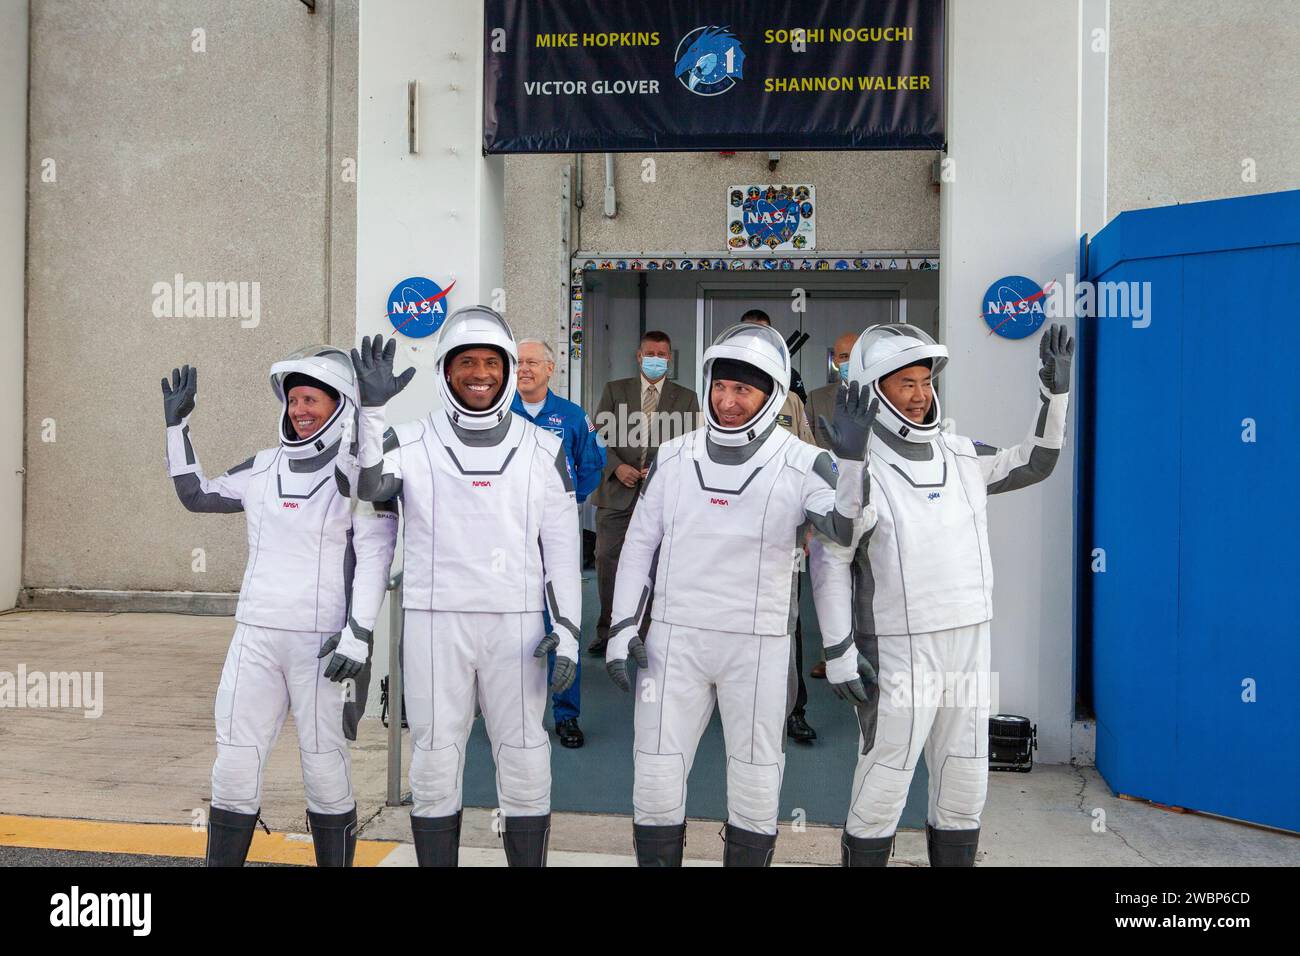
x=693, y=307
x=824, y=316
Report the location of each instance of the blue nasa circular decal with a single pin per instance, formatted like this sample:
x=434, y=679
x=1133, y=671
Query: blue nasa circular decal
x=767, y=219
x=417, y=306
x=1014, y=307
x=709, y=60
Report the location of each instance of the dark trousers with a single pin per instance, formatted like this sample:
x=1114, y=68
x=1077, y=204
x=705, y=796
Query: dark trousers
x=611, y=529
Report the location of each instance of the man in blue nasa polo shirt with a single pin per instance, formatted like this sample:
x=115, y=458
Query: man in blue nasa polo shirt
x=535, y=402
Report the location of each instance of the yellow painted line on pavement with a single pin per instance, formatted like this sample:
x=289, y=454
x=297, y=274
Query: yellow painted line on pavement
x=162, y=839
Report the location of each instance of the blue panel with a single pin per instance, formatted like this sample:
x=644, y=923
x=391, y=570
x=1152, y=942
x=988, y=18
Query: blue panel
x=1215, y=226
x=1135, y=488
x=1197, y=606
x=1238, y=556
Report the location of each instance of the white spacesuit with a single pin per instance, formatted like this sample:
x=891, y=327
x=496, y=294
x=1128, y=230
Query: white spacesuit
x=491, y=532
x=318, y=564
x=921, y=582
x=721, y=508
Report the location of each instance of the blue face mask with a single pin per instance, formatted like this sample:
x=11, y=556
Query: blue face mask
x=653, y=367
x=844, y=372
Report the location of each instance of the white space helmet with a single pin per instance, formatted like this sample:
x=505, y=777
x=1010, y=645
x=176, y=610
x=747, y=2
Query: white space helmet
x=476, y=325
x=883, y=349
x=762, y=347
x=324, y=365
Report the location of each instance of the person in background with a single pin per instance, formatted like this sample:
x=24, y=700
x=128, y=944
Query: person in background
x=536, y=402
x=821, y=406
x=794, y=419
x=821, y=401
x=629, y=451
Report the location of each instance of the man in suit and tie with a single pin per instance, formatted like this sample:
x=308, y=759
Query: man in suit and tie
x=634, y=417
x=821, y=401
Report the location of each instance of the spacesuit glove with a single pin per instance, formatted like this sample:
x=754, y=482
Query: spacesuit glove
x=178, y=396
x=349, y=650
x=850, y=424
x=622, y=644
x=1056, y=351
x=849, y=674
x=566, y=660
x=376, y=383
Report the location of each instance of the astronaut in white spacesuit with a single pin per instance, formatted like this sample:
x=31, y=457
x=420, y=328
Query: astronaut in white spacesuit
x=722, y=507
x=910, y=645
x=491, y=532
x=318, y=563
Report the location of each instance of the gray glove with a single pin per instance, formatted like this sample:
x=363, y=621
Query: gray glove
x=616, y=665
x=849, y=676
x=1056, y=350
x=178, y=397
x=376, y=383
x=850, y=425
x=350, y=648
x=566, y=668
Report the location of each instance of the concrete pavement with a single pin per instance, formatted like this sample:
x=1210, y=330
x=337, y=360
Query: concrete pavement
x=147, y=757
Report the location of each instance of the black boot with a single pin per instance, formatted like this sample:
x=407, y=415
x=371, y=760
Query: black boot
x=951, y=847
x=659, y=846
x=865, y=851
x=437, y=840
x=229, y=836
x=747, y=848
x=525, y=840
x=335, y=837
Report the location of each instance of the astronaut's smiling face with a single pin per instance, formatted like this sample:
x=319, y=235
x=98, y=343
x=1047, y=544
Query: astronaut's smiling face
x=735, y=403
x=309, y=409
x=910, y=391
x=476, y=375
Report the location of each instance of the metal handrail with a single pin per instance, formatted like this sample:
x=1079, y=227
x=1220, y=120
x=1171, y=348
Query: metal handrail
x=395, y=690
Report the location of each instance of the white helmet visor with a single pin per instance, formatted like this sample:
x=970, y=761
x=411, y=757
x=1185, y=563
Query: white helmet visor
x=883, y=350
x=327, y=366
x=763, y=348
x=476, y=326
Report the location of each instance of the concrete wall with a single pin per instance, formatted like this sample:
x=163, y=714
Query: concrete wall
x=1196, y=87
x=223, y=165
x=13, y=229
x=865, y=200
x=536, y=280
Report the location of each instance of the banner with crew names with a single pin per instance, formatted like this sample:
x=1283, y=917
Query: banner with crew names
x=564, y=76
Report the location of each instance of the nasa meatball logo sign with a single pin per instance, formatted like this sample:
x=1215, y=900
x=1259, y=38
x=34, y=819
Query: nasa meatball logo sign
x=709, y=61
x=1014, y=307
x=771, y=218
x=417, y=306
